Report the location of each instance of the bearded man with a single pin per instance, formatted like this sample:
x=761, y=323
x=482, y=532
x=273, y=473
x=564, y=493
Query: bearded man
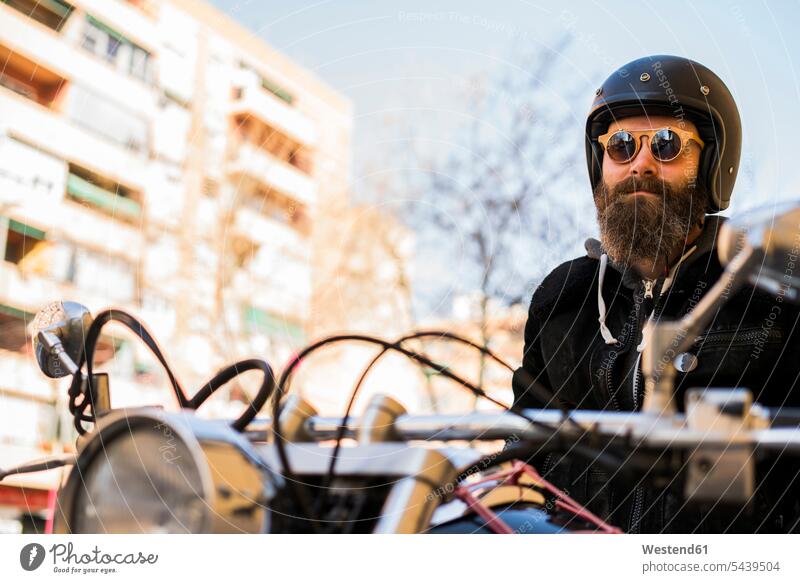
x=663, y=142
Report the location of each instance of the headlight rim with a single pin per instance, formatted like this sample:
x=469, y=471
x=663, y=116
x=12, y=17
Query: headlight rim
x=111, y=427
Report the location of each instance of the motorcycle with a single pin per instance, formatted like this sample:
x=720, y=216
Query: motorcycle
x=151, y=471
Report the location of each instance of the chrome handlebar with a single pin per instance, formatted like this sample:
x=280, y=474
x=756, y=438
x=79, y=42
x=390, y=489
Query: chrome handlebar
x=715, y=417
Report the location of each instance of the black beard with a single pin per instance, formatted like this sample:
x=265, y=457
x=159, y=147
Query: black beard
x=645, y=228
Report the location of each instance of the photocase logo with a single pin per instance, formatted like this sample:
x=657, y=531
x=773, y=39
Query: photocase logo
x=31, y=556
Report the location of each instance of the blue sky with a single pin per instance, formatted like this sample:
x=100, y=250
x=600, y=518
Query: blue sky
x=392, y=58
x=385, y=55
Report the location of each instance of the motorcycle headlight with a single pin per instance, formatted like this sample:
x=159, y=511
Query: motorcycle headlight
x=151, y=472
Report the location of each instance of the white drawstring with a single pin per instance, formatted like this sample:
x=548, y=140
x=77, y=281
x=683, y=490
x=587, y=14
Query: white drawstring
x=645, y=334
x=671, y=276
x=601, y=305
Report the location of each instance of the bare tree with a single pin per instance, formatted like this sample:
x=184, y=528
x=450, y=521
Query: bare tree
x=493, y=200
x=363, y=281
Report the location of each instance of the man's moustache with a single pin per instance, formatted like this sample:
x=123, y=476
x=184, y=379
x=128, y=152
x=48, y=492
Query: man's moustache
x=630, y=185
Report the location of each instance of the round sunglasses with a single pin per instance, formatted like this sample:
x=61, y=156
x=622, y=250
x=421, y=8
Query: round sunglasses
x=665, y=143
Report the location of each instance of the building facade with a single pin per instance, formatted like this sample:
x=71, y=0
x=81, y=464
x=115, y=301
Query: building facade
x=156, y=157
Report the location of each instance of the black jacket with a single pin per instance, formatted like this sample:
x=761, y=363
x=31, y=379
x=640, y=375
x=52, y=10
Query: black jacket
x=752, y=342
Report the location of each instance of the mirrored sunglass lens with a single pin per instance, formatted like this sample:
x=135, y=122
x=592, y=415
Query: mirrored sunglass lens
x=665, y=145
x=621, y=146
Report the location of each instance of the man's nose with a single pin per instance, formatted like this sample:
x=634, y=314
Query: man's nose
x=643, y=164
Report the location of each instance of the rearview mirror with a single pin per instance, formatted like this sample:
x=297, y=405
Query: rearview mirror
x=774, y=231
x=68, y=323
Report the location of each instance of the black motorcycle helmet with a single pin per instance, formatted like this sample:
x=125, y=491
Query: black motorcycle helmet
x=681, y=88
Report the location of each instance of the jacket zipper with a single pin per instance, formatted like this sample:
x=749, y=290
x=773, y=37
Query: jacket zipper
x=638, y=502
x=610, y=382
x=546, y=465
x=647, y=294
x=636, y=373
x=741, y=337
x=638, y=494
x=655, y=313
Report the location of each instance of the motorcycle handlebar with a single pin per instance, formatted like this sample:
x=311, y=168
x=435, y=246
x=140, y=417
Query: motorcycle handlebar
x=768, y=429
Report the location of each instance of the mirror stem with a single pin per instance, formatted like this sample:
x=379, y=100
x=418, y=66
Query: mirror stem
x=667, y=340
x=55, y=347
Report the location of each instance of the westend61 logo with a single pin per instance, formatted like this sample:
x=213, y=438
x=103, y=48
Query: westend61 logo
x=67, y=560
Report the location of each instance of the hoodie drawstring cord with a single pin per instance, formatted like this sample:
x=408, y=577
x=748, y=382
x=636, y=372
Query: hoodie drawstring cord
x=601, y=305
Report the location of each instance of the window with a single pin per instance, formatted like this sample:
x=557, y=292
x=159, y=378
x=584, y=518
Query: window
x=277, y=90
x=278, y=207
x=105, y=275
x=13, y=328
x=107, y=119
x=140, y=61
x=92, y=38
x=113, y=47
x=110, y=277
x=103, y=194
x=18, y=86
x=268, y=85
x=51, y=13
x=22, y=241
x=274, y=141
x=28, y=78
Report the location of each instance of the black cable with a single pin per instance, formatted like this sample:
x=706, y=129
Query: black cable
x=540, y=389
x=354, y=393
x=231, y=372
x=299, y=494
x=38, y=466
x=266, y=389
x=130, y=322
x=78, y=410
x=220, y=379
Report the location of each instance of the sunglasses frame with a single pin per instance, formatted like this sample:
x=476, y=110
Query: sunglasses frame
x=685, y=136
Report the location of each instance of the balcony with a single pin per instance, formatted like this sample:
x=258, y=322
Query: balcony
x=43, y=278
x=28, y=292
x=277, y=277
x=34, y=124
x=272, y=173
x=113, y=204
x=20, y=374
x=282, y=297
x=124, y=17
x=53, y=14
x=83, y=226
x=29, y=176
x=267, y=231
x=251, y=99
x=29, y=79
x=47, y=48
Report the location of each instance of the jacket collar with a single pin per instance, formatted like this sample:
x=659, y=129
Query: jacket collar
x=704, y=244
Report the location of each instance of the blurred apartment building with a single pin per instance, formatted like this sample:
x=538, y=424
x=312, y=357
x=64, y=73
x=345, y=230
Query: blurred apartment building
x=157, y=157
